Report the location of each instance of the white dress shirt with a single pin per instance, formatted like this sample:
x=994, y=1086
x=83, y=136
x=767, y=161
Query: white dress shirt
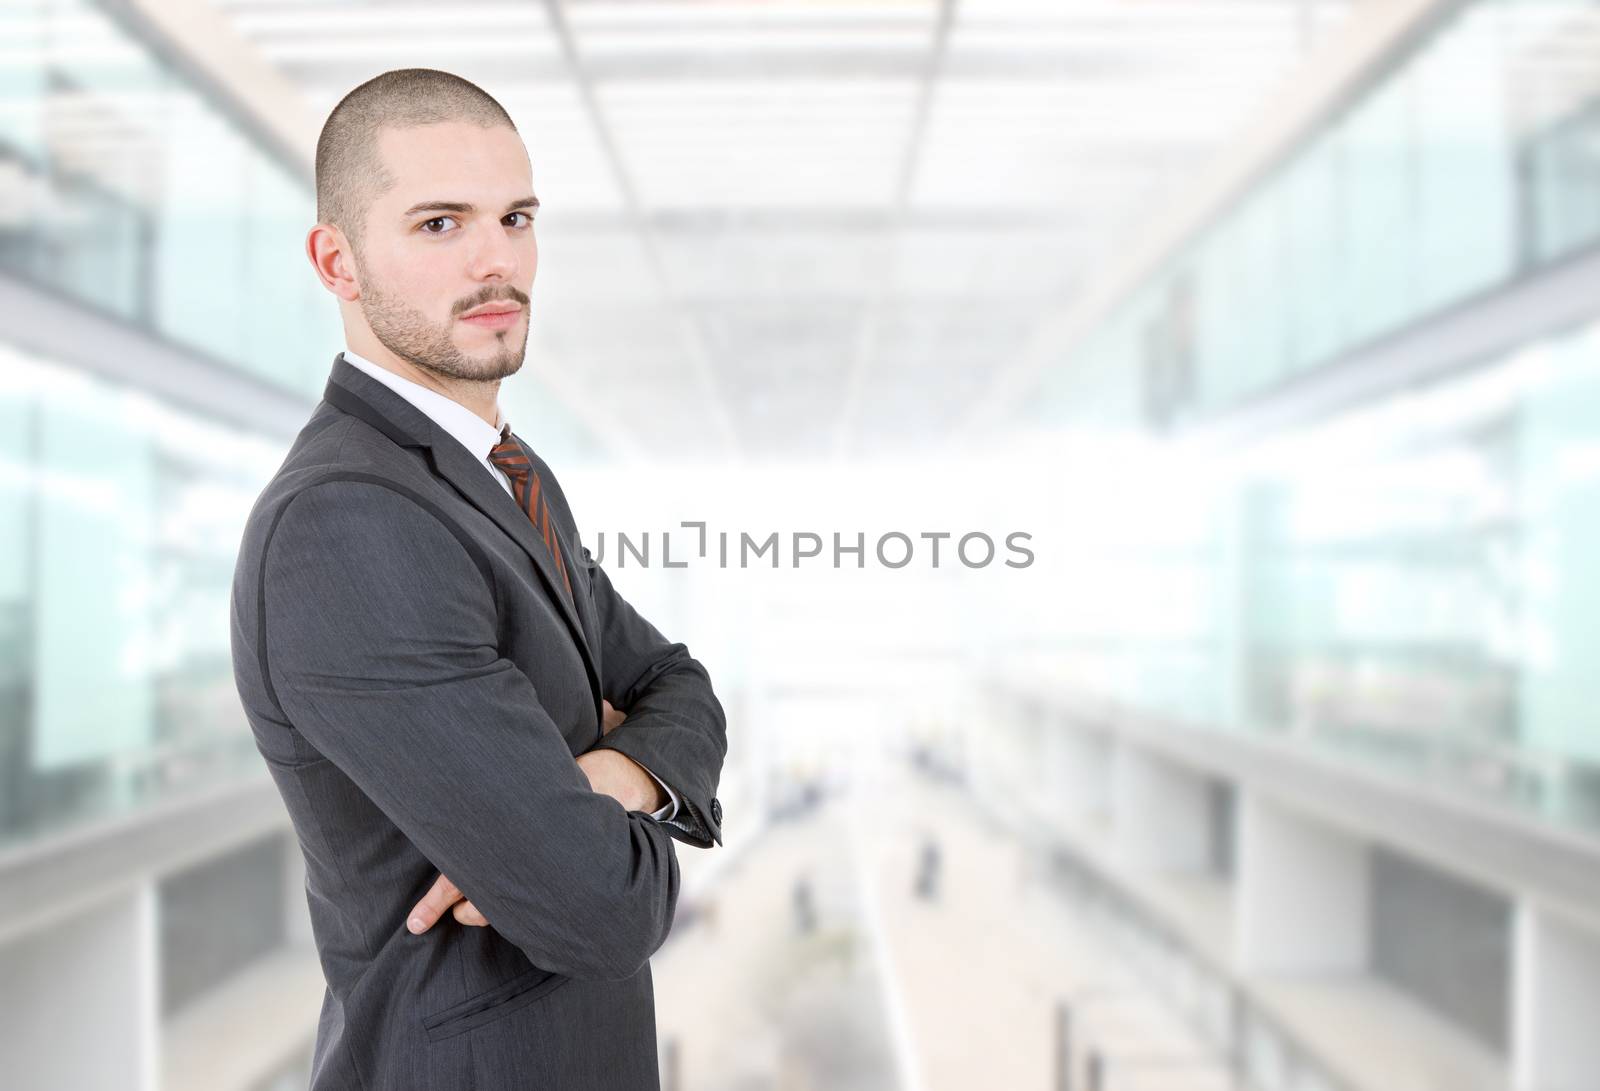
x=478, y=436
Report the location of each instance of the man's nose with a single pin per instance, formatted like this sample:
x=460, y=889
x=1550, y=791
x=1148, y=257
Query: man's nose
x=493, y=255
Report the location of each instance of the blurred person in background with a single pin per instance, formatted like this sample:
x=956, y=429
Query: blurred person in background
x=462, y=714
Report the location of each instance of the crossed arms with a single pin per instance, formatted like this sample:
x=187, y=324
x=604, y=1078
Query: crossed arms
x=380, y=634
x=622, y=779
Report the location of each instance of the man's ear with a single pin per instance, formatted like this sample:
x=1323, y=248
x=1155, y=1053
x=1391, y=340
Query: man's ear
x=331, y=255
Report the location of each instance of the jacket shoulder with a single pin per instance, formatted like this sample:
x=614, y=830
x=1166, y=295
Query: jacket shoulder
x=334, y=444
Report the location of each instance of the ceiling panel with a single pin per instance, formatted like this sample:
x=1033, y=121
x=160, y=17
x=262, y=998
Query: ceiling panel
x=785, y=228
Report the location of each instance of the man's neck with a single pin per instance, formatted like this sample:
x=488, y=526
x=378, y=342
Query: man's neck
x=481, y=397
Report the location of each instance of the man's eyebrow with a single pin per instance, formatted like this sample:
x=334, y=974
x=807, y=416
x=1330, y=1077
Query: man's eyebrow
x=465, y=207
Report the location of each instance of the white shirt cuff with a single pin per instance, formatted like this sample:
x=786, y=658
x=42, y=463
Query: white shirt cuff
x=670, y=808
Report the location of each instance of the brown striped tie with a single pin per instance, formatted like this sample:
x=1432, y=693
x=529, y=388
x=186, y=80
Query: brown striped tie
x=514, y=462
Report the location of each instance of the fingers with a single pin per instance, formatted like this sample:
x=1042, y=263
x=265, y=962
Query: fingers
x=467, y=913
x=439, y=897
x=443, y=895
x=611, y=717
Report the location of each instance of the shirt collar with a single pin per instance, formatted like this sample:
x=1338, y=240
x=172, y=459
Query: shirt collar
x=464, y=426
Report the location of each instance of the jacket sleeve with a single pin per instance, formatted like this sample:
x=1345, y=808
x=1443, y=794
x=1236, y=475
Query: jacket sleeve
x=675, y=725
x=381, y=647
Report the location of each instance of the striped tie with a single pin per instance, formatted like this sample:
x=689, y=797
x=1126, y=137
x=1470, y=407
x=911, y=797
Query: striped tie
x=514, y=462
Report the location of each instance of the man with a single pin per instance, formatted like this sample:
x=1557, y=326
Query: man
x=486, y=752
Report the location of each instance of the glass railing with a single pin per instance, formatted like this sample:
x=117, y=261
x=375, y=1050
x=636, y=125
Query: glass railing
x=124, y=188
x=116, y=565
x=1260, y=1053
x=1470, y=163
x=1409, y=586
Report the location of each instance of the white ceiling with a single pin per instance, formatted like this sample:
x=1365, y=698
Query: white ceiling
x=801, y=229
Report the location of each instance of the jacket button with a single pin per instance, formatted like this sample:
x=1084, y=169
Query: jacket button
x=716, y=810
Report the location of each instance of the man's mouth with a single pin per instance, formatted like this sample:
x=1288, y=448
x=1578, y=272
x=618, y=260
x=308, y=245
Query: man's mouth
x=494, y=319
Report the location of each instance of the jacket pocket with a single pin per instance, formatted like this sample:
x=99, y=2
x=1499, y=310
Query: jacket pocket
x=486, y=1007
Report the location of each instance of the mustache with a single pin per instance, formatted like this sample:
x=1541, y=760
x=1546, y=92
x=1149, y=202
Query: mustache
x=514, y=295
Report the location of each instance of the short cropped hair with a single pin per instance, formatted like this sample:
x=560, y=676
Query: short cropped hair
x=350, y=170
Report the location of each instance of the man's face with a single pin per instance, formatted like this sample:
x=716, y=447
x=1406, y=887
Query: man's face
x=426, y=260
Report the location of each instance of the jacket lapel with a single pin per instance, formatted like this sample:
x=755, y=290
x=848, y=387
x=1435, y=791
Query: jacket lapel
x=360, y=395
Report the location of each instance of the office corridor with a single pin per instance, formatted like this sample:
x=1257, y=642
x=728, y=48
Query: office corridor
x=918, y=976
x=1129, y=468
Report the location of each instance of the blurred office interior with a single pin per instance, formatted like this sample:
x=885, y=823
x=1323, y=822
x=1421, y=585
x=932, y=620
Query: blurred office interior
x=1272, y=325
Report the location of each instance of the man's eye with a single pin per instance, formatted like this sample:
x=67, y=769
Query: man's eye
x=436, y=219
x=525, y=215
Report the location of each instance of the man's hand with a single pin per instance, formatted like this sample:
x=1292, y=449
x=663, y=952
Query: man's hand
x=441, y=896
x=613, y=773
x=609, y=771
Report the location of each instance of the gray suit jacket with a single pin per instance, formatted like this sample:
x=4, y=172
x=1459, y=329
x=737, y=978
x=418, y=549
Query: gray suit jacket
x=419, y=685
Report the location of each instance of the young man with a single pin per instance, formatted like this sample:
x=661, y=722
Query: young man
x=460, y=711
